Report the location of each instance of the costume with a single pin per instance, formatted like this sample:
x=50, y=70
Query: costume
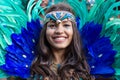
x=20, y=28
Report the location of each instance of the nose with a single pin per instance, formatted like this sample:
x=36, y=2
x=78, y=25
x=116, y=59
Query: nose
x=59, y=29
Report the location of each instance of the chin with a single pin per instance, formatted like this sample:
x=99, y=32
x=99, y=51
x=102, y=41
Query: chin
x=60, y=47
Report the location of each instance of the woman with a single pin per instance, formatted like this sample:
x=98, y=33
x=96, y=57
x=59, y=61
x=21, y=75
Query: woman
x=60, y=55
x=44, y=3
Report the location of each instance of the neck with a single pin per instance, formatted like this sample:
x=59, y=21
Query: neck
x=58, y=56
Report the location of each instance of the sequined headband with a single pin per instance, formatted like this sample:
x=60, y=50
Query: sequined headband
x=58, y=16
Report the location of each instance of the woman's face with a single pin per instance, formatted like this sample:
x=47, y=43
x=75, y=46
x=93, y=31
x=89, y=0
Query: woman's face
x=44, y=3
x=59, y=35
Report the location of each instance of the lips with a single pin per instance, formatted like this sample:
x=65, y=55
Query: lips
x=59, y=39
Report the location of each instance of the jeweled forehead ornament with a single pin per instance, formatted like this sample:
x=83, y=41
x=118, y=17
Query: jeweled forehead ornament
x=59, y=16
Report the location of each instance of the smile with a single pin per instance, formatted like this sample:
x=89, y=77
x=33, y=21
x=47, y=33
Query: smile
x=59, y=39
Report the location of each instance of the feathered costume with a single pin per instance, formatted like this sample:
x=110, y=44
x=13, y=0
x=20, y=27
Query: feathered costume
x=99, y=28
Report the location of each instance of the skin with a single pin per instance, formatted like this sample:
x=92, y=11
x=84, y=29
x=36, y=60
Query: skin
x=44, y=3
x=59, y=35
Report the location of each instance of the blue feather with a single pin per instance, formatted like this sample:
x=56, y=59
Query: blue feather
x=90, y=33
x=22, y=50
x=102, y=57
x=99, y=50
x=78, y=22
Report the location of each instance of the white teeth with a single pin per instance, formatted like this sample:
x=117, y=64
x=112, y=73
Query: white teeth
x=60, y=38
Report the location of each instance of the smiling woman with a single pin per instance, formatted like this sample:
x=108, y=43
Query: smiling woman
x=59, y=35
x=60, y=55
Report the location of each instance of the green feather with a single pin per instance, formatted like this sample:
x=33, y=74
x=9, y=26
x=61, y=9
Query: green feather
x=12, y=19
x=2, y=56
x=34, y=10
x=112, y=30
x=80, y=10
x=6, y=33
x=3, y=74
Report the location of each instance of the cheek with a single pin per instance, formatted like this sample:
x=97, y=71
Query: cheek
x=71, y=36
x=46, y=2
x=70, y=33
x=49, y=33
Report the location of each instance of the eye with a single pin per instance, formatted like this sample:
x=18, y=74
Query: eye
x=67, y=25
x=51, y=26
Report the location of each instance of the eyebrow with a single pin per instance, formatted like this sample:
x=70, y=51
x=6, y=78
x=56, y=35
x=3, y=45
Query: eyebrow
x=66, y=21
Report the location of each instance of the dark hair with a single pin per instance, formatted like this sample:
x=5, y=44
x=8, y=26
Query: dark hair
x=75, y=60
